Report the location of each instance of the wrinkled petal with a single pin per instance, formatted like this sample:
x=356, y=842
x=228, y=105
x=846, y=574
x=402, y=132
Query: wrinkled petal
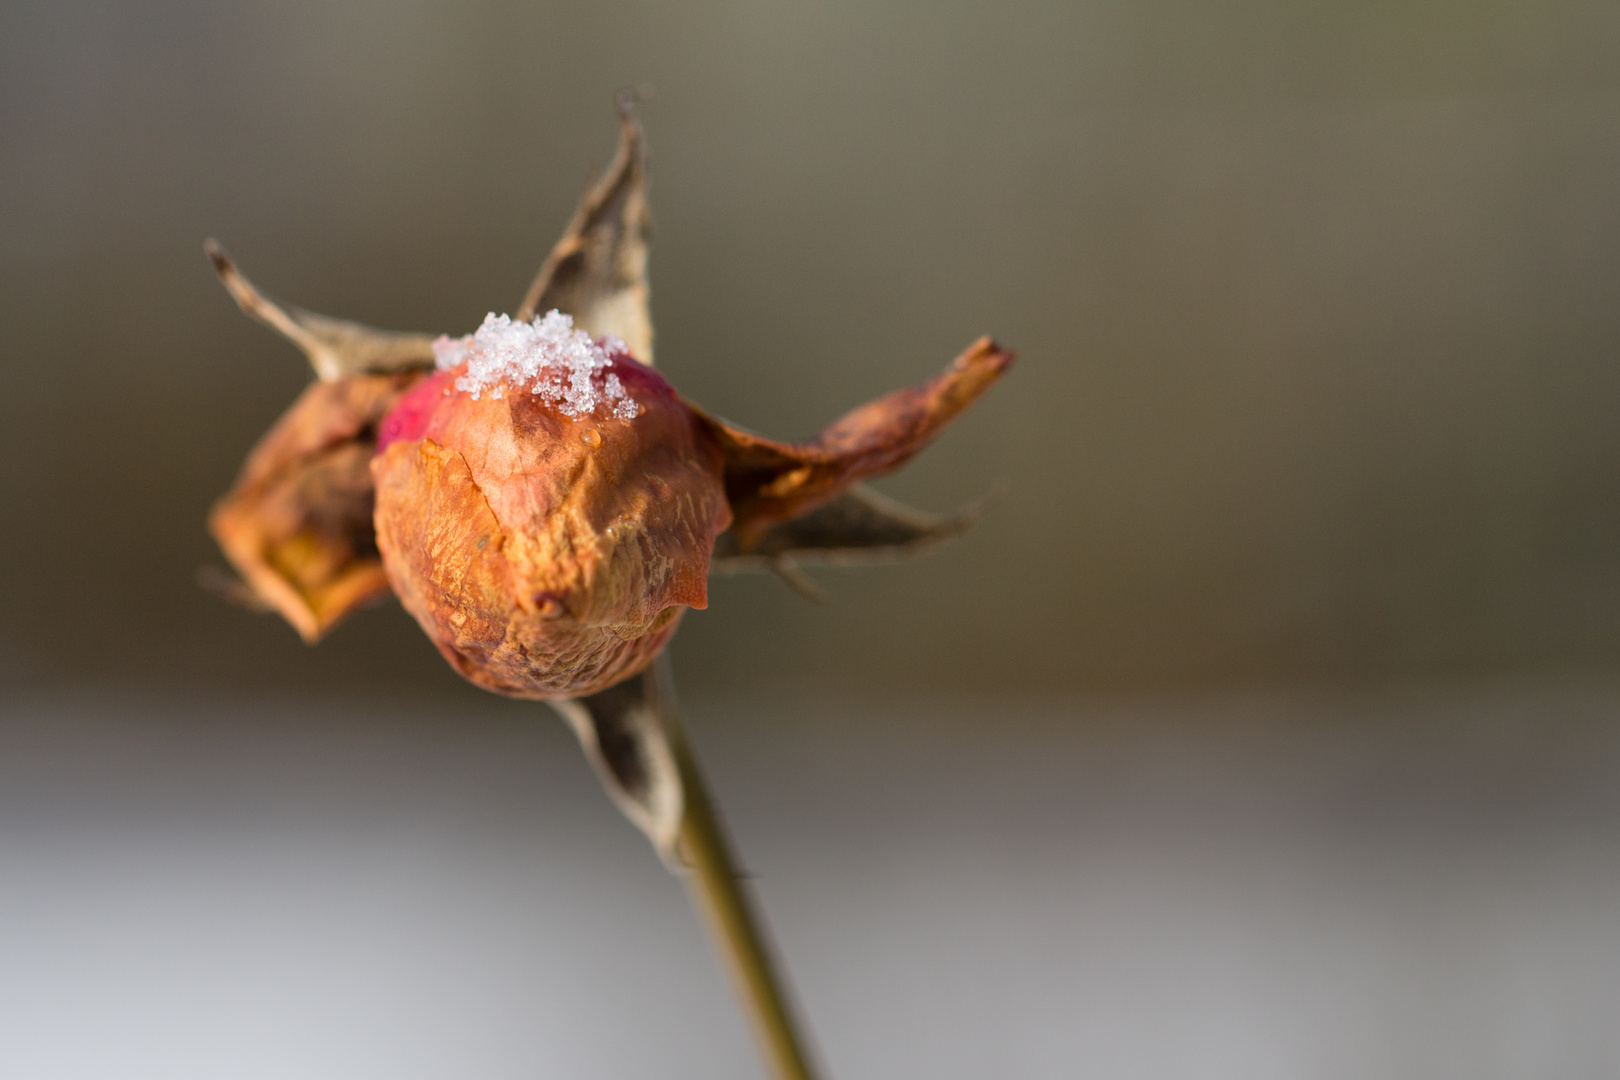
x=548, y=556
x=768, y=482
x=598, y=271
x=297, y=524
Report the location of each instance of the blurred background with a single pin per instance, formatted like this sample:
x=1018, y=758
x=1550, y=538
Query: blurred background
x=1270, y=726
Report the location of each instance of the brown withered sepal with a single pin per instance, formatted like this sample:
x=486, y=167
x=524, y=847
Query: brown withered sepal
x=297, y=524
x=768, y=482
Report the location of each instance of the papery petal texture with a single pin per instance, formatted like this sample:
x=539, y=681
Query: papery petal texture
x=548, y=556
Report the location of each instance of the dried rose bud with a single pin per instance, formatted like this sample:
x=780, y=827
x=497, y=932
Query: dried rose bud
x=546, y=506
x=546, y=509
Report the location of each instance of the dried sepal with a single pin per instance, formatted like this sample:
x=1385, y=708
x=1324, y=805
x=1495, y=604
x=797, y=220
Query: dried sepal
x=769, y=482
x=597, y=272
x=858, y=527
x=336, y=348
x=297, y=523
x=626, y=732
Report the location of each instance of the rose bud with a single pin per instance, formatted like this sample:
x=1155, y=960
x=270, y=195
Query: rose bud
x=545, y=505
x=546, y=508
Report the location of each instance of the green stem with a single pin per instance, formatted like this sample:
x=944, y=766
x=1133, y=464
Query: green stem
x=738, y=933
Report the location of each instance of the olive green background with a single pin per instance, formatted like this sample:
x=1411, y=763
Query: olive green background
x=1317, y=309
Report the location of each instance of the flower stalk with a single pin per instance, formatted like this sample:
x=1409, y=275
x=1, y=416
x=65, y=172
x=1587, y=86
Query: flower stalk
x=719, y=891
x=632, y=736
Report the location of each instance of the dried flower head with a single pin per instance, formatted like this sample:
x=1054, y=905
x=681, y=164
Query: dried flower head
x=548, y=543
x=538, y=497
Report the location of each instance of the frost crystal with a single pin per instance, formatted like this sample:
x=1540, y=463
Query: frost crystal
x=559, y=364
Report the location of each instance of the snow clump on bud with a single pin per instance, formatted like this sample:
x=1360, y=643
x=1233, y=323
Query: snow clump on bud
x=562, y=366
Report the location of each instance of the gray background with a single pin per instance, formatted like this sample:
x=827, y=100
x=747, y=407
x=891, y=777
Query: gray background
x=1266, y=728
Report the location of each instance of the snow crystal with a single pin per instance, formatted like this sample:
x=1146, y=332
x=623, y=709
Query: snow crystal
x=555, y=362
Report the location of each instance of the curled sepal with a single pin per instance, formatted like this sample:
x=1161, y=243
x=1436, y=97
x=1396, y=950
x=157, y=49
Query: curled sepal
x=858, y=527
x=597, y=272
x=336, y=348
x=625, y=732
x=769, y=482
x=297, y=523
